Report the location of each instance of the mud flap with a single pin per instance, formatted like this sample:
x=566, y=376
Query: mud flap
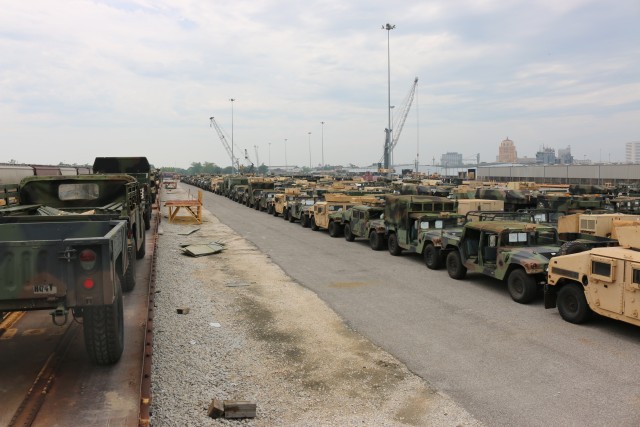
x=549, y=296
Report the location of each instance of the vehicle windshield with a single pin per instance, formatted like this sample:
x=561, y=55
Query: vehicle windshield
x=531, y=238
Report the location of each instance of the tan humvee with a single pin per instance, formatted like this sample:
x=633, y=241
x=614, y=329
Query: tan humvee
x=603, y=280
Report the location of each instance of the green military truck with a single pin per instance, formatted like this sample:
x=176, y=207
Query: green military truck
x=515, y=252
x=366, y=222
x=137, y=167
x=407, y=216
x=81, y=198
x=255, y=189
x=68, y=267
x=603, y=280
x=296, y=208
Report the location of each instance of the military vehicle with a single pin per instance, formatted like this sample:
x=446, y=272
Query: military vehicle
x=581, y=232
x=365, y=221
x=139, y=168
x=265, y=201
x=298, y=209
x=467, y=205
x=81, y=198
x=515, y=252
x=602, y=280
x=327, y=214
x=237, y=192
x=68, y=266
x=229, y=182
x=256, y=187
x=281, y=200
x=513, y=199
x=403, y=219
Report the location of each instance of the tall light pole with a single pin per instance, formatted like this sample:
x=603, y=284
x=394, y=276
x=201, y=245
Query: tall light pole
x=269, y=157
x=322, y=139
x=232, y=156
x=387, y=142
x=309, y=133
x=286, y=164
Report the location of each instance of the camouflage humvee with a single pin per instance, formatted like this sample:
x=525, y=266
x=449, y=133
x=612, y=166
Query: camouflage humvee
x=602, y=280
x=406, y=215
x=229, y=183
x=365, y=221
x=256, y=187
x=137, y=167
x=265, y=201
x=515, y=252
x=296, y=209
x=513, y=199
x=82, y=198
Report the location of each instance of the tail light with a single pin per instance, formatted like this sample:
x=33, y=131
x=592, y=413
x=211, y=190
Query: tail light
x=87, y=259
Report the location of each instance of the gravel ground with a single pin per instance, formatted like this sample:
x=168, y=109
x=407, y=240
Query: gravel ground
x=253, y=333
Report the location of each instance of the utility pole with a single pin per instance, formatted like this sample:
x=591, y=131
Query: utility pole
x=286, y=164
x=232, y=156
x=322, y=123
x=387, y=141
x=309, y=149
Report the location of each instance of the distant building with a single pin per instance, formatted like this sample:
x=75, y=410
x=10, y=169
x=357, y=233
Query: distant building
x=451, y=160
x=546, y=156
x=632, y=152
x=507, y=152
x=564, y=156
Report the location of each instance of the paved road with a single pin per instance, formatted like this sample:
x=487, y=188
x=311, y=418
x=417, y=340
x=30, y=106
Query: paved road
x=507, y=364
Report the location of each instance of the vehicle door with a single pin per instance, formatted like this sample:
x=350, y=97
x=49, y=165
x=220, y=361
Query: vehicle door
x=607, y=282
x=632, y=290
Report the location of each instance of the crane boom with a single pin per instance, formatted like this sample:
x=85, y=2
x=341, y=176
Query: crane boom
x=398, y=123
x=234, y=160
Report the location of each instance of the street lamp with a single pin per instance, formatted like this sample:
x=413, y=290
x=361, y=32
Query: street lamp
x=387, y=142
x=322, y=139
x=269, y=157
x=309, y=149
x=286, y=164
x=232, y=156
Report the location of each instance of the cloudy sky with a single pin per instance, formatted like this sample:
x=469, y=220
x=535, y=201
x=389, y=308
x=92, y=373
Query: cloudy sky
x=80, y=79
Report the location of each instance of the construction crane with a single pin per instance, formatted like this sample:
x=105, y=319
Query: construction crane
x=397, y=126
x=235, y=163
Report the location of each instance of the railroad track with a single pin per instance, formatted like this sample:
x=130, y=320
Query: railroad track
x=52, y=381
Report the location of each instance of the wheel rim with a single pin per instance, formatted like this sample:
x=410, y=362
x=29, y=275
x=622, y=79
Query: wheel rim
x=571, y=304
x=518, y=286
x=428, y=256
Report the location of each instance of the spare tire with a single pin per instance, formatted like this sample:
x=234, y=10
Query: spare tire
x=574, y=247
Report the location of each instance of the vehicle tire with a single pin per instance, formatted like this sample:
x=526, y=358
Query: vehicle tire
x=314, y=226
x=432, y=257
x=269, y=210
x=394, y=247
x=376, y=241
x=455, y=268
x=348, y=235
x=285, y=214
x=291, y=218
x=129, y=279
x=274, y=211
x=335, y=230
x=304, y=221
x=572, y=304
x=522, y=287
x=147, y=218
x=104, y=329
x=569, y=248
x=140, y=253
